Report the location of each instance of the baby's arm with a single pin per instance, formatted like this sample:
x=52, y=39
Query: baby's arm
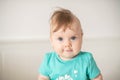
x=99, y=77
x=41, y=77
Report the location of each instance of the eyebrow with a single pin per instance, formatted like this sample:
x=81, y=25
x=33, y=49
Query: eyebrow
x=62, y=34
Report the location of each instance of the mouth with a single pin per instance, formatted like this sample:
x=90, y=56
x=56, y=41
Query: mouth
x=68, y=50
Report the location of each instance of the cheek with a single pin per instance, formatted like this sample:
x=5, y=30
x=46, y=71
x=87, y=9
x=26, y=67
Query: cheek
x=57, y=46
x=58, y=49
x=77, y=45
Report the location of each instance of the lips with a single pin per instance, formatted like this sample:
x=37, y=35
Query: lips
x=68, y=50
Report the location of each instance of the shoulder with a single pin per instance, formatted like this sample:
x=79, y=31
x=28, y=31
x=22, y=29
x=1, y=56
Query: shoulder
x=45, y=67
x=86, y=56
x=49, y=56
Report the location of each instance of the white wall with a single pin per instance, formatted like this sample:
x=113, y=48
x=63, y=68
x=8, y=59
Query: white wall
x=21, y=60
x=24, y=33
x=23, y=19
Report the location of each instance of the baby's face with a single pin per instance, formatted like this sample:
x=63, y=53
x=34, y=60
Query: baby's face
x=67, y=43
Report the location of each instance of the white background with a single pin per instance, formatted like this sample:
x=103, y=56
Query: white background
x=24, y=34
x=29, y=19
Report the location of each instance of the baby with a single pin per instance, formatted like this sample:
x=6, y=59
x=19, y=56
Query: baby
x=67, y=61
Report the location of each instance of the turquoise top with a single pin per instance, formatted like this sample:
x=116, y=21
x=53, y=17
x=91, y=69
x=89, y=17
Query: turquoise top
x=81, y=67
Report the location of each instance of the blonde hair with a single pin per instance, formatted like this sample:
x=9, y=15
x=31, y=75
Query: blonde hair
x=62, y=18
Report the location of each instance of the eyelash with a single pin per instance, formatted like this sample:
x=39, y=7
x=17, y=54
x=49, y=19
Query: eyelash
x=72, y=38
x=60, y=38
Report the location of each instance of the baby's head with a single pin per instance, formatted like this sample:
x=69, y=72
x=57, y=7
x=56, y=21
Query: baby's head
x=64, y=19
x=65, y=34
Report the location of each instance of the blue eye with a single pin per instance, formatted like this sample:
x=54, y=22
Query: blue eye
x=73, y=38
x=60, y=38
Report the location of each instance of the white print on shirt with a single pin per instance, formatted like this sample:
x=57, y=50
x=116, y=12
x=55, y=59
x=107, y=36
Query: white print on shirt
x=67, y=77
x=75, y=72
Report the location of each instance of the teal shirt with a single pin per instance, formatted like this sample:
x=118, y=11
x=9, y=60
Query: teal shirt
x=81, y=67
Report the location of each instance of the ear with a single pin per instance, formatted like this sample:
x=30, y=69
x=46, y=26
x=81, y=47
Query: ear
x=82, y=34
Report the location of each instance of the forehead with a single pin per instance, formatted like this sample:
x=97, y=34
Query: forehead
x=68, y=31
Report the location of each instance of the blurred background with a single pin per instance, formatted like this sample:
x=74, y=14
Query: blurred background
x=24, y=35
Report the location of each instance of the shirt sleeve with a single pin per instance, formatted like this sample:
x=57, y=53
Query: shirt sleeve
x=44, y=68
x=93, y=70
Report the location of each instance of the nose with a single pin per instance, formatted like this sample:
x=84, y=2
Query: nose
x=67, y=43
